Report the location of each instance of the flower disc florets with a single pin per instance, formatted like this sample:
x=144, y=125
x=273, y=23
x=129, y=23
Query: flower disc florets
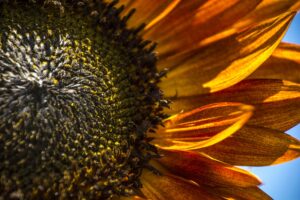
x=77, y=95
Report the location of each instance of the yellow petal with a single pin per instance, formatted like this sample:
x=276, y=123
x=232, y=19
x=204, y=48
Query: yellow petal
x=202, y=127
x=194, y=20
x=226, y=62
x=276, y=102
x=166, y=187
x=283, y=64
x=206, y=171
x=255, y=146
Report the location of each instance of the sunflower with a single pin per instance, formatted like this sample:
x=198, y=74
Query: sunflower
x=137, y=99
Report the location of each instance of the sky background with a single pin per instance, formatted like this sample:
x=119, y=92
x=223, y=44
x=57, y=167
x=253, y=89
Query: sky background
x=282, y=182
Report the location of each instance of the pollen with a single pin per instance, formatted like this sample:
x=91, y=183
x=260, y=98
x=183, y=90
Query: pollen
x=78, y=92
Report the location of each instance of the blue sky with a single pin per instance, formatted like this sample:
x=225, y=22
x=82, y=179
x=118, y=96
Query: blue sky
x=282, y=182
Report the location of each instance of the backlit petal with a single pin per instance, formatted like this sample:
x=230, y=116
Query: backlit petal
x=266, y=10
x=202, y=127
x=255, y=146
x=283, y=64
x=194, y=20
x=226, y=62
x=276, y=102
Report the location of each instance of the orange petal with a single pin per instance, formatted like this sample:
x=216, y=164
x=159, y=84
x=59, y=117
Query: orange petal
x=249, y=193
x=171, y=6
x=202, y=127
x=226, y=62
x=168, y=187
x=283, y=64
x=266, y=10
x=194, y=20
x=130, y=198
x=147, y=12
x=206, y=171
x=276, y=102
x=255, y=146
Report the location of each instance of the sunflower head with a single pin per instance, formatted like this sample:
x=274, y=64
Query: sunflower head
x=82, y=112
x=78, y=92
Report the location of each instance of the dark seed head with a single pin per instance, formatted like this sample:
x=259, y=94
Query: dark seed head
x=77, y=94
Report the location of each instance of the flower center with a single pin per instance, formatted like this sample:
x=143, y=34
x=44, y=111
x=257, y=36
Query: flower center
x=78, y=93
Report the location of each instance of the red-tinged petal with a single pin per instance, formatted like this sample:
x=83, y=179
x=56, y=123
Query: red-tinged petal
x=276, y=102
x=226, y=62
x=255, y=146
x=195, y=20
x=166, y=187
x=202, y=127
x=206, y=171
x=283, y=64
x=240, y=193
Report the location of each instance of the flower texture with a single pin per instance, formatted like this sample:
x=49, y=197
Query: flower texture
x=140, y=99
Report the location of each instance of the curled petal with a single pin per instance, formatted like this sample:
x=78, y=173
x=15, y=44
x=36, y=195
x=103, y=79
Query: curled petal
x=226, y=62
x=203, y=126
x=283, y=64
x=276, y=102
x=255, y=146
x=206, y=171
